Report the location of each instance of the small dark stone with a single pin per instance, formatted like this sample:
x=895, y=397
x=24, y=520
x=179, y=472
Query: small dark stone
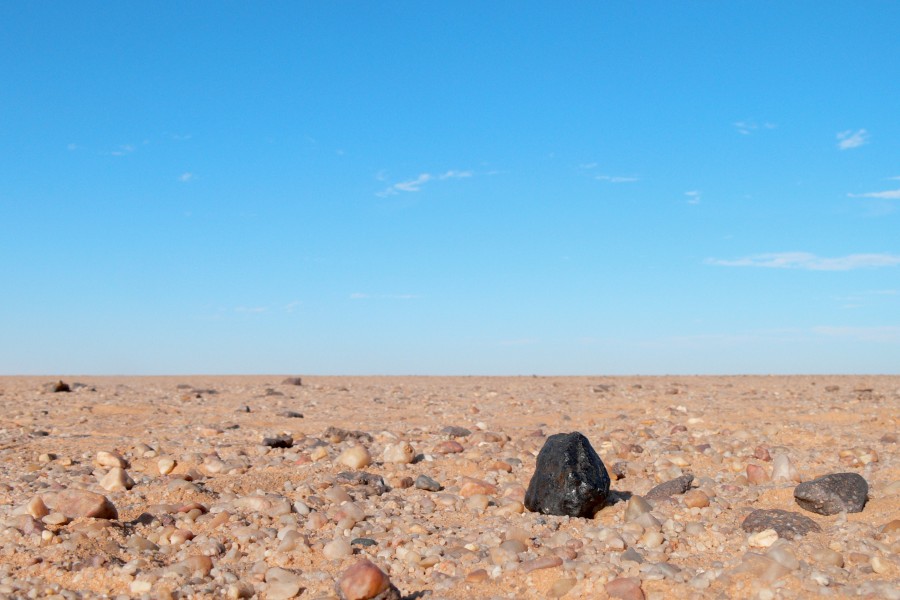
x=336, y=435
x=290, y=414
x=424, y=482
x=603, y=388
x=272, y=392
x=280, y=441
x=788, y=525
x=454, y=432
x=632, y=555
x=369, y=483
x=57, y=387
x=832, y=388
x=243, y=409
x=292, y=381
x=365, y=542
x=831, y=494
x=888, y=438
x=619, y=469
x=673, y=487
x=569, y=479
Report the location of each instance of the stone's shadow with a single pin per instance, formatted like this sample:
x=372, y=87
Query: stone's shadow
x=417, y=595
x=617, y=496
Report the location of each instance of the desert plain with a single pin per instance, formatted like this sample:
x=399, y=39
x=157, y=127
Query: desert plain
x=273, y=487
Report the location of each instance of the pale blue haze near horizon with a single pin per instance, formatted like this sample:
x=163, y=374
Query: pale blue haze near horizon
x=438, y=188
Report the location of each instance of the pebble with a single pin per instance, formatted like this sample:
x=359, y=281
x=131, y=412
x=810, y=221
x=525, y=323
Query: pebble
x=757, y=475
x=472, y=487
x=75, y=503
x=110, y=459
x=786, y=524
x=673, y=487
x=448, y=447
x=365, y=581
x=569, y=478
x=401, y=453
x=282, y=584
x=279, y=441
x=695, y=499
x=165, y=466
x=337, y=549
x=355, y=457
x=424, y=482
x=625, y=588
x=117, y=480
x=831, y=494
x=784, y=470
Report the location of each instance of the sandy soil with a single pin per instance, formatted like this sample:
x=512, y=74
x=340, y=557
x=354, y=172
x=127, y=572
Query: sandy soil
x=436, y=544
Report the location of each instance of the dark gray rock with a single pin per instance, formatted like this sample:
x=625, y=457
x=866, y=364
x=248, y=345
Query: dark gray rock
x=362, y=483
x=569, y=479
x=292, y=381
x=290, y=414
x=670, y=488
x=788, y=525
x=455, y=431
x=831, y=494
x=424, y=482
x=279, y=441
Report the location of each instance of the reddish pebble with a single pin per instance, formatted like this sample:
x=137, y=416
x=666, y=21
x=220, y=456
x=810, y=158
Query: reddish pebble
x=82, y=503
x=364, y=581
x=625, y=588
x=448, y=447
x=757, y=475
x=762, y=453
x=472, y=486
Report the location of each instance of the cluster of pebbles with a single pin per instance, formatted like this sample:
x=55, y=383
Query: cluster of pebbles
x=388, y=488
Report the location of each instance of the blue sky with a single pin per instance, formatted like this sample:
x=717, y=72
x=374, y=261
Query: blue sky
x=450, y=188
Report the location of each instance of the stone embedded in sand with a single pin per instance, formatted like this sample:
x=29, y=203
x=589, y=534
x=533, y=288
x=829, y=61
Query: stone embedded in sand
x=784, y=470
x=448, y=447
x=625, y=588
x=472, y=487
x=36, y=508
x=424, y=482
x=165, y=466
x=56, y=387
x=292, y=381
x=670, y=488
x=282, y=584
x=401, y=453
x=695, y=499
x=569, y=478
x=757, y=475
x=110, y=459
x=117, y=480
x=82, y=503
x=365, y=581
x=831, y=494
x=789, y=525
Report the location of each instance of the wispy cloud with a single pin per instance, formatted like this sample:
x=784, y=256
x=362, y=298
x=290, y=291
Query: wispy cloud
x=364, y=296
x=185, y=177
x=693, y=196
x=852, y=139
x=749, y=127
x=885, y=333
x=415, y=185
x=810, y=262
x=616, y=179
x=123, y=150
x=885, y=195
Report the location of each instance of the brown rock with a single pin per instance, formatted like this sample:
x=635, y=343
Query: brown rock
x=757, y=475
x=365, y=581
x=448, y=447
x=472, y=486
x=82, y=503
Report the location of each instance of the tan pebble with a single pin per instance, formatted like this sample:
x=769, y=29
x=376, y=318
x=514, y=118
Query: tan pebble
x=362, y=581
x=476, y=576
x=110, y=459
x=401, y=453
x=337, y=549
x=139, y=586
x=355, y=457
x=36, y=508
x=757, y=475
x=763, y=539
x=318, y=453
x=55, y=518
x=199, y=563
x=695, y=499
x=472, y=486
x=180, y=536
x=542, y=562
x=117, y=480
x=888, y=527
x=561, y=587
x=165, y=466
x=879, y=565
x=499, y=465
x=239, y=591
x=75, y=503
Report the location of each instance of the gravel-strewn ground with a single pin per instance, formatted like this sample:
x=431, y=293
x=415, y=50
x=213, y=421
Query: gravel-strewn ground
x=251, y=487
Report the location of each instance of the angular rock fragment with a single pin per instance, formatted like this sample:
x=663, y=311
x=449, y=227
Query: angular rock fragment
x=292, y=381
x=569, y=479
x=788, y=525
x=673, y=487
x=454, y=431
x=367, y=484
x=82, y=503
x=831, y=494
x=279, y=441
x=424, y=482
x=365, y=581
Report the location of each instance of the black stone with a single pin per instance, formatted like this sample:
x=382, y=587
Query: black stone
x=290, y=414
x=788, y=525
x=831, y=494
x=365, y=542
x=569, y=478
x=281, y=441
x=670, y=488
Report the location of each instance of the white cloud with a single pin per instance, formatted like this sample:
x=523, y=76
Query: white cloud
x=693, y=196
x=748, y=127
x=852, y=139
x=185, y=177
x=886, y=333
x=885, y=195
x=616, y=179
x=415, y=185
x=810, y=262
